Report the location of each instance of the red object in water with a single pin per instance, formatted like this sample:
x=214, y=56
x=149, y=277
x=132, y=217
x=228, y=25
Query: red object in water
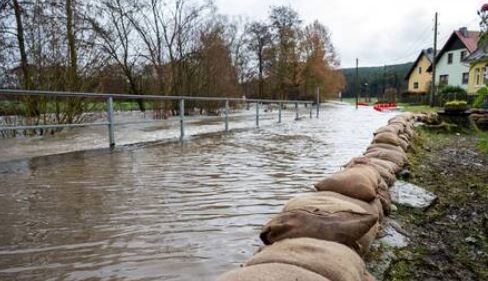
x=362, y=103
x=484, y=8
x=385, y=106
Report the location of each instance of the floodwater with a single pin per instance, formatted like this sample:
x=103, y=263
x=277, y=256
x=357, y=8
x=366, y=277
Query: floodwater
x=166, y=211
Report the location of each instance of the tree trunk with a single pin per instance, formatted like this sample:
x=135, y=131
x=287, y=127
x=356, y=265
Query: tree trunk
x=21, y=41
x=73, y=67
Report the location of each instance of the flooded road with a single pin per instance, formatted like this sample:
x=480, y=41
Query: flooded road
x=166, y=212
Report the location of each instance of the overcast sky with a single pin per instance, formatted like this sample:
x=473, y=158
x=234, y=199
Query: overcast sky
x=377, y=32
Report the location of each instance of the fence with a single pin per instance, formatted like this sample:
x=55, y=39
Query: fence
x=109, y=100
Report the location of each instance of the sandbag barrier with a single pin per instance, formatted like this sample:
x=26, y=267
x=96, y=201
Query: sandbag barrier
x=323, y=235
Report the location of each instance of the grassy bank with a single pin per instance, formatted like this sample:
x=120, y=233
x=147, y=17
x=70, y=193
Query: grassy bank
x=418, y=108
x=449, y=239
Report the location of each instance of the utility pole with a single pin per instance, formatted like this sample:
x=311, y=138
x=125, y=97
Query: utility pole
x=357, y=83
x=318, y=101
x=433, y=89
x=384, y=83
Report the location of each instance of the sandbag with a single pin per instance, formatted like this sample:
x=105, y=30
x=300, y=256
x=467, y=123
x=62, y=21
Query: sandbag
x=365, y=242
x=385, y=198
x=395, y=129
x=385, y=146
x=271, y=272
x=404, y=143
x=341, y=227
x=386, y=174
x=321, y=215
x=389, y=138
x=390, y=166
x=359, y=182
x=377, y=208
x=328, y=259
x=398, y=158
x=409, y=131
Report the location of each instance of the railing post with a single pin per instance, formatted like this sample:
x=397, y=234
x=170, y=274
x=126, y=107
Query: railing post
x=280, y=106
x=296, y=111
x=110, y=120
x=311, y=111
x=226, y=116
x=182, y=119
x=257, y=114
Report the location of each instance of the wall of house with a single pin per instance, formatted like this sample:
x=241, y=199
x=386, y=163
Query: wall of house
x=454, y=70
x=423, y=78
x=473, y=85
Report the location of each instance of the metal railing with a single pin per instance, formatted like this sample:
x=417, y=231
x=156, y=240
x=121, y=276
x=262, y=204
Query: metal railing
x=109, y=99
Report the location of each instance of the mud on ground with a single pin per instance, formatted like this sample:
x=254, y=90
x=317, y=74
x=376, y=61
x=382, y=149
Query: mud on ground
x=449, y=239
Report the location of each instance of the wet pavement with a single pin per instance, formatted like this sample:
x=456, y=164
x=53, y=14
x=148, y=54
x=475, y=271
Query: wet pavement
x=166, y=211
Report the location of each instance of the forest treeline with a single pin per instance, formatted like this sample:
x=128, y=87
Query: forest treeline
x=376, y=81
x=163, y=47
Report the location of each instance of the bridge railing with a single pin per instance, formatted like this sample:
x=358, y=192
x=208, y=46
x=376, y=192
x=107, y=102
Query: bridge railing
x=109, y=98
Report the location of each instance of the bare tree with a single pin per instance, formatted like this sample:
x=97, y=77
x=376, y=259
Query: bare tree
x=260, y=38
x=116, y=40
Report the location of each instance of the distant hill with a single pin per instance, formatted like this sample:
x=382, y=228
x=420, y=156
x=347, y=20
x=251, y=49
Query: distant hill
x=390, y=76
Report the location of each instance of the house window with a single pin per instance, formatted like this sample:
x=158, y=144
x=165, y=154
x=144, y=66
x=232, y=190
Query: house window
x=463, y=55
x=479, y=74
x=416, y=85
x=444, y=79
x=420, y=70
x=449, y=58
x=465, y=78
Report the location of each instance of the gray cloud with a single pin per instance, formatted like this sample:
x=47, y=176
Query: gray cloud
x=377, y=31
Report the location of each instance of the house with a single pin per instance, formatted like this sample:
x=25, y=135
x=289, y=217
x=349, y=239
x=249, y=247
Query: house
x=477, y=70
x=419, y=77
x=451, y=68
x=477, y=62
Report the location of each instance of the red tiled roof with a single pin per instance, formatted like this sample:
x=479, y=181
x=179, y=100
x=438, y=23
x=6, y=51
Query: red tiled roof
x=471, y=42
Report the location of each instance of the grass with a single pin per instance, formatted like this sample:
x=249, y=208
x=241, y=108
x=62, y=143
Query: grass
x=418, y=108
x=353, y=100
x=444, y=164
x=483, y=143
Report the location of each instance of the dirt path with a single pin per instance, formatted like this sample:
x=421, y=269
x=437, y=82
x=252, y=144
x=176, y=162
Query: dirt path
x=449, y=240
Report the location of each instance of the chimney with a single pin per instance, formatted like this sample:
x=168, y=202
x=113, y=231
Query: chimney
x=464, y=31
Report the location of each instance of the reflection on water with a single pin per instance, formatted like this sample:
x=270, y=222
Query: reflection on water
x=165, y=212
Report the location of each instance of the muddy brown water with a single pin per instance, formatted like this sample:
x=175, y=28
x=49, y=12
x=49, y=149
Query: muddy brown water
x=166, y=212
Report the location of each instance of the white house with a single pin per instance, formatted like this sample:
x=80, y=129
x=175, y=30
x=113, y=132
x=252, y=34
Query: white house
x=451, y=68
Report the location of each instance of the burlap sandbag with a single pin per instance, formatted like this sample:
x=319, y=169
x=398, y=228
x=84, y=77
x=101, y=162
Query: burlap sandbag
x=395, y=129
x=359, y=182
x=321, y=215
x=385, y=197
x=409, y=131
x=377, y=208
x=271, y=272
x=386, y=173
x=398, y=158
x=365, y=242
x=404, y=137
x=404, y=143
x=389, y=138
x=385, y=146
x=328, y=259
x=342, y=227
x=390, y=166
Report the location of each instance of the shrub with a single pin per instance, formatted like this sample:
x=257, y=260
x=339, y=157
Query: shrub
x=456, y=104
x=482, y=93
x=453, y=90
